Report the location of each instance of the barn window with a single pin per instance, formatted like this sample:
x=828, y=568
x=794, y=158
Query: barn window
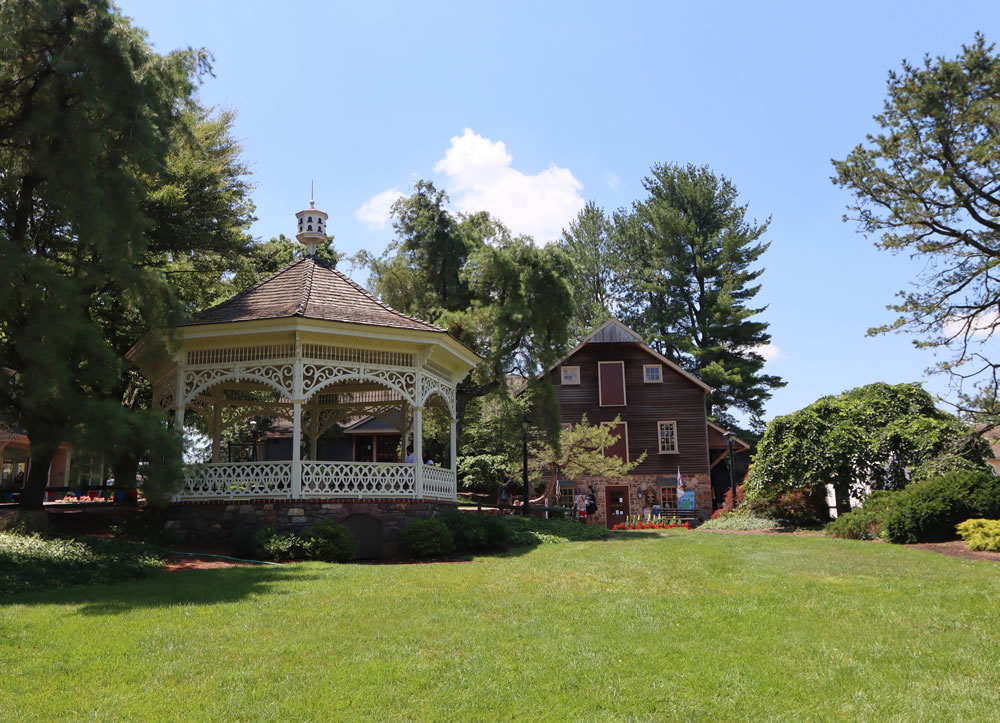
x=667, y=434
x=611, y=378
x=651, y=373
x=570, y=375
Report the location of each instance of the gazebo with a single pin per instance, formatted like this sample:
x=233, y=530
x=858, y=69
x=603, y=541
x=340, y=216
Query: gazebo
x=310, y=347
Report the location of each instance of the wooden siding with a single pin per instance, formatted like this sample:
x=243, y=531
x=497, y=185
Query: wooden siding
x=620, y=448
x=676, y=399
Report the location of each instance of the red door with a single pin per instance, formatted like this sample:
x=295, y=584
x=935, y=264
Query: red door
x=616, y=504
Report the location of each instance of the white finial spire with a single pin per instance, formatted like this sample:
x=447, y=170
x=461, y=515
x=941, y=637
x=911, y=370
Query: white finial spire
x=312, y=225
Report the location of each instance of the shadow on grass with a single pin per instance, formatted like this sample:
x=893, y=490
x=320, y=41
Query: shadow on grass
x=196, y=587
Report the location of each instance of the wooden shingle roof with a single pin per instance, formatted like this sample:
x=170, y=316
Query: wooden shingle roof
x=312, y=289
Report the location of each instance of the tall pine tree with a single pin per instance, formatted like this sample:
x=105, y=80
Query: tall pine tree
x=689, y=255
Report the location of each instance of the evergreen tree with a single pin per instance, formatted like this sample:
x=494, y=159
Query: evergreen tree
x=88, y=118
x=688, y=283
x=589, y=241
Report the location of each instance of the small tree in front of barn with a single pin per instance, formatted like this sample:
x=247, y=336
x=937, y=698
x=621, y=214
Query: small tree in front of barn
x=580, y=452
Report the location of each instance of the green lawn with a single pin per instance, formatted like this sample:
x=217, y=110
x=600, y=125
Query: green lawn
x=692, y=625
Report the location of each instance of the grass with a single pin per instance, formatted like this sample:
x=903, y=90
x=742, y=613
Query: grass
x=32, y=562
x=645, y=625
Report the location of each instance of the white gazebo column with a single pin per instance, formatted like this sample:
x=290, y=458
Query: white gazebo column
x=418, y=452
x=296, y=450
x=297, y=422
x=454, y=452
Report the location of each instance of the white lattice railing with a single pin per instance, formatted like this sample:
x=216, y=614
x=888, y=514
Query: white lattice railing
x=244, y=480
x=232, y=480
x=357, y=479
x=439, y=483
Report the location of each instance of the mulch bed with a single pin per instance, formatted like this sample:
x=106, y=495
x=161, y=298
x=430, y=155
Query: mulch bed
x=957, y=548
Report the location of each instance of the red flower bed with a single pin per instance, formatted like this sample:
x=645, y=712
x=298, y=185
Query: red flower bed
x=659, y=525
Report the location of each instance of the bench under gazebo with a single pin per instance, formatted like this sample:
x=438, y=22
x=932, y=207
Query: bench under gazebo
x=310, y=348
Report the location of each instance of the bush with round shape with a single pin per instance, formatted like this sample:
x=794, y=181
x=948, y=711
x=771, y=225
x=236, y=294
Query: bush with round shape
x=981, y=534
x=928, y=511
x=330, y=542
x=427, y=538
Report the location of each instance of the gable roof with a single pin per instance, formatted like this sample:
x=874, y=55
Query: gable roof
x=614, y=332
x=738, y=444
x=312, y=289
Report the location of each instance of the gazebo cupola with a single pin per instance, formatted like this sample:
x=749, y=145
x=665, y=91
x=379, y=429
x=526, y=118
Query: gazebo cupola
x=312, y=228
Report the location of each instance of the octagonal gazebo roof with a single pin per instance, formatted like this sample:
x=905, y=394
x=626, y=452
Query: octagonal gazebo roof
x=312, y=289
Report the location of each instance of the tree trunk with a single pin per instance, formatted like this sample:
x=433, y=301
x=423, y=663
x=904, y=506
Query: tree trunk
x=842, y=493
x=126, y=468
x=549, y=488
x=33, y=493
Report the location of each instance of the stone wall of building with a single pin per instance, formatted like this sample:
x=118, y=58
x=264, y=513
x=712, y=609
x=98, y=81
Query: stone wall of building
x=638, y=486
x=376, y=524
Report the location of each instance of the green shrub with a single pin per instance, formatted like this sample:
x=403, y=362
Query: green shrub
x=33, y=562
x=330, y=542
x=283, y=547
x=475, y=533
x=865, y=522
x=981, y=534
x=800, y=508
x=928, y=511
x=427, y=538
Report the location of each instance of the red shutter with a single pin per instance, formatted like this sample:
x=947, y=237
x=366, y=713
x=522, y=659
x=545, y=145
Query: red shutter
x=620, y=448
x=612, y=381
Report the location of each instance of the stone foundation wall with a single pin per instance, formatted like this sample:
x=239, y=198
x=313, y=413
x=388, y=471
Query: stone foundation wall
x=376, y=524
x=638, y=484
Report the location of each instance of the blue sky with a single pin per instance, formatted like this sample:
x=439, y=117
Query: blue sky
x=529, y=109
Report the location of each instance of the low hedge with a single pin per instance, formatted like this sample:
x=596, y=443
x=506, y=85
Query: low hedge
x=981, y=534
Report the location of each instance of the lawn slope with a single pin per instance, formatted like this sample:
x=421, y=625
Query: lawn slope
x=652, y=626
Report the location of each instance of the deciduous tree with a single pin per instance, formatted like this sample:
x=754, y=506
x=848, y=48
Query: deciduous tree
x=875, y=437
x=928, y=184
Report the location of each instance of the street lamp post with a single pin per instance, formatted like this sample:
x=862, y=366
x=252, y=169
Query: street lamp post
x=524, y=468
x=732, y=472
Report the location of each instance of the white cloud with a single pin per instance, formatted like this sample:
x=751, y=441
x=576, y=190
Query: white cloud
x=980, y=330
x=481, y=178
x=770, y=352
x=612, y=180
x=374, y=213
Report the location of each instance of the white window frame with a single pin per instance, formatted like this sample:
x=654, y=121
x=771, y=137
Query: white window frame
x=562, y=377
x=600, y=386
x=659, y=438
x=659, y=373
x=628, y=458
